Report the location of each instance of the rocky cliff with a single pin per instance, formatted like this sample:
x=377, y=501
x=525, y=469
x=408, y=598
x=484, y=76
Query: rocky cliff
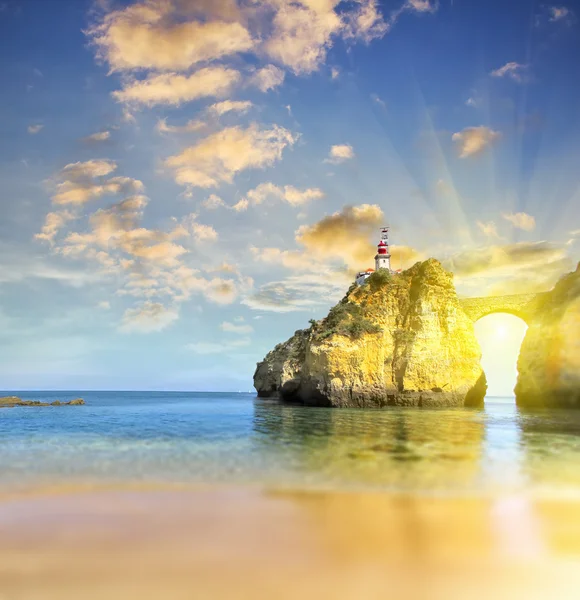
x=549, y=361
x=397, y=340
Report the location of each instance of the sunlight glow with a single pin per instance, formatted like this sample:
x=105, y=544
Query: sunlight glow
x=500, y=337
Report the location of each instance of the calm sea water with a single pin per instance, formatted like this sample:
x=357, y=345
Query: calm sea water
x=236, y=438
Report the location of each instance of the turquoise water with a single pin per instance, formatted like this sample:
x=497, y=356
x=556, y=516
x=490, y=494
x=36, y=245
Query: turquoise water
x=236, y=438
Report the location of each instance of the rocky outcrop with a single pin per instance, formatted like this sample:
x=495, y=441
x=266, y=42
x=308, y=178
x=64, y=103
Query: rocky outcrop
x=398, y=340
x=11, y=401
x=549, y=361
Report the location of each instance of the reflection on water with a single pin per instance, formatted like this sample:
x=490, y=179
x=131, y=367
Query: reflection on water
x=423, y=450
x=398, y=448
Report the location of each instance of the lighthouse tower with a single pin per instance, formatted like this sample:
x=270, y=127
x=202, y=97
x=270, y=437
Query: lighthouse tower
x=383, y=257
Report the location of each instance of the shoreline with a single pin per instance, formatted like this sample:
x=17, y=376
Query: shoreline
x=243, y=542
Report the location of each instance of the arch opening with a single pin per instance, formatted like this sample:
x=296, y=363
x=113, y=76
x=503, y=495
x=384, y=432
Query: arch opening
x=500, y=336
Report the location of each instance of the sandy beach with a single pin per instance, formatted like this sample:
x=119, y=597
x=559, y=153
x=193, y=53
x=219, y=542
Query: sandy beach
x=179, y=542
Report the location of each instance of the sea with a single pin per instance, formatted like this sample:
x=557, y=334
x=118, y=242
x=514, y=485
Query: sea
x=236, y=438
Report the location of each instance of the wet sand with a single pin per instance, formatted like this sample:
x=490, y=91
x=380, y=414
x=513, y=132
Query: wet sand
x=250, y=543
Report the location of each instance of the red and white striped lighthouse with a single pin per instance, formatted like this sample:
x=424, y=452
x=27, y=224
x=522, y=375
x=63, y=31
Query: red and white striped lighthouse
x=383, y=257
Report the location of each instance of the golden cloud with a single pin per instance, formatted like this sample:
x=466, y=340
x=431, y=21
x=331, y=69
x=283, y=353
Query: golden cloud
x=157, y=36
x=492, y=258
x=80, y=182
x=175, y=89
x=220, y=156
x=340, y=153
x=346, y=235
x=302, y=34
x=474, y=140
x=99, y=136
x=511, y=268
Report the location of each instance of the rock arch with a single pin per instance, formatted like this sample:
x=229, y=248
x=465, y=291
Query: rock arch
x=524, y=306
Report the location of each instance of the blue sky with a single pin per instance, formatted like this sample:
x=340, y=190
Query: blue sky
x=186, y=182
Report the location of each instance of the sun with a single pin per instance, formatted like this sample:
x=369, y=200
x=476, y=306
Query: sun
x=501, y=332
x=500, y=337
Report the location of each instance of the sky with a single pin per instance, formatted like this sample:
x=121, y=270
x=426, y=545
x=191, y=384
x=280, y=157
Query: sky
x=185, y=183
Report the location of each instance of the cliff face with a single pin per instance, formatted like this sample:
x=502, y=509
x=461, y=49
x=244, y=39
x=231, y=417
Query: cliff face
x=549, y=361
x=397, y=340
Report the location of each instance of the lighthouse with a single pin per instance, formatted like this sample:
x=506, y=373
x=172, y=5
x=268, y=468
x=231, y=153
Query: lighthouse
x=383, y=257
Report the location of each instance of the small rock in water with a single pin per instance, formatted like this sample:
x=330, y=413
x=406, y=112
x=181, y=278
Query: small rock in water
x=11, y=401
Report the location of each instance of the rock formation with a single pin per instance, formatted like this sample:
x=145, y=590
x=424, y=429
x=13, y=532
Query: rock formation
x=397, y=340
x=11, y=401
x=549, y=361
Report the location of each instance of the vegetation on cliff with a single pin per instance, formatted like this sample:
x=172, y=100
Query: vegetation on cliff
x=396, y=340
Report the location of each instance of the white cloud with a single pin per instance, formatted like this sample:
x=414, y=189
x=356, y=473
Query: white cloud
x=513, y=70
x=53, y=223
x=221, y=108
x=213, y=202
x=340, y=153
x=144, y=263
x=521, y=220
x=558, y=13
x=33, y=129
x=203, y=233
x=104, y=305
x=219, y=157
x=489, y=229
x=148, y=317
x=175, y=89
x=88, y=169
x=473, y=102
x=190, y=127
x=366, y=22
x=303, y=292
x=267, y=78
x=288, y=193
x=422, y=6
x=474, y=140
x=238, y=329
x=100, y=136
x=334, y=73
x=378, y=100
